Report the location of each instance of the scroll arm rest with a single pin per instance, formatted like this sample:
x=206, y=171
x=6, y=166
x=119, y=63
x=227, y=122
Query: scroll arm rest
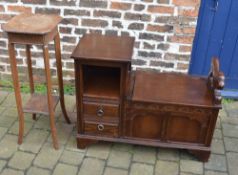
x=219, y=81
x=216, y=80
x=217, y=76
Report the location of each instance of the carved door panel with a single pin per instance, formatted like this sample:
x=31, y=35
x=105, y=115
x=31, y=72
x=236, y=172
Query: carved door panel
x=143, y=124
x=184, y=127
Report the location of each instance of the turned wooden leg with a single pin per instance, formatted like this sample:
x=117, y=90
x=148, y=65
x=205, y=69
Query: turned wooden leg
x=30, y=74
x=49, y=97
x=16, y=85
x=60, y=76
x=201, y=155
x=83, y=143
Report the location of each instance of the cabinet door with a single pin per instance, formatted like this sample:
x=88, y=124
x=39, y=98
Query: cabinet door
x=184, y=127
x=143, y=124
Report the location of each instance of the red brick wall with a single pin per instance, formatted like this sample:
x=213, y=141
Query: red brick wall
x=164, y=30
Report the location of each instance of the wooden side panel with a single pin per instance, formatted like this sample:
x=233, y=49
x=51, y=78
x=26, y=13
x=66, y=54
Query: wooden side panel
x=183, y=128
x=168, y=123
x=143, y=124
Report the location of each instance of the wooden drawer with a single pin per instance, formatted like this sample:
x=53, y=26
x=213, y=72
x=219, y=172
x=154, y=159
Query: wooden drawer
x=103, y=129
x=92, y=109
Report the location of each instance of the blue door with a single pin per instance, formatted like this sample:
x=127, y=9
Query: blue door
x=217, y=35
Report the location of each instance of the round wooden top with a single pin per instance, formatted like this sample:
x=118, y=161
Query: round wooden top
x=32, y=23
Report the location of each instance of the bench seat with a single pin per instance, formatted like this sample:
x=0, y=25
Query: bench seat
x=172, y=88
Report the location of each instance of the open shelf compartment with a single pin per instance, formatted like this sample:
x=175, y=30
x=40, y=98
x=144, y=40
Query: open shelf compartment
x=38, y=104
x=101, y=82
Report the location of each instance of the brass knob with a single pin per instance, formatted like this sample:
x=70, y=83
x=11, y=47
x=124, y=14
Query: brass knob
x=100, y=127
x=100, y=112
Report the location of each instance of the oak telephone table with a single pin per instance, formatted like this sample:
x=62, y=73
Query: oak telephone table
x=147, y=108
x=38, y=29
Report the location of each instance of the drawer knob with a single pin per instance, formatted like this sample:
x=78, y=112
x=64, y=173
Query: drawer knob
x=100, y=127
x=100, y=112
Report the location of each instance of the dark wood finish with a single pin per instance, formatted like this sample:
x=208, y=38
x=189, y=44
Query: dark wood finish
x=155, y=109
x=101, y=129
x=101, y=111
x=182, y=127
x=101, y=75
x=216, y=80
x=99, y=48
x=146, y=142
x=179, y=89
x=38, y=104
x=36, y=29
x=137, y=119
x=106, y=83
